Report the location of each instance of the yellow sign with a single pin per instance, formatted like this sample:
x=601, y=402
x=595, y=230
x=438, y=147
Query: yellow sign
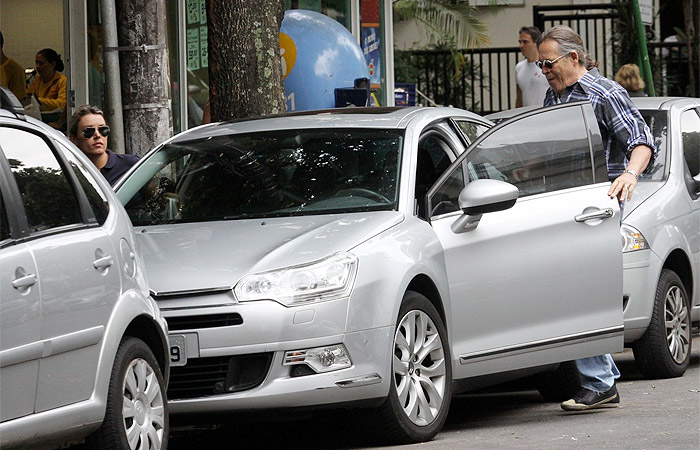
x=288, y=54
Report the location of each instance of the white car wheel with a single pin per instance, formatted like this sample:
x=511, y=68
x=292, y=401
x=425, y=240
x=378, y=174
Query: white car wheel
x=421, y=387
x=664, y=349
x=137, y=414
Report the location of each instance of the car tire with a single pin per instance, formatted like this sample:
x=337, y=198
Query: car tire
x=421, y=384
x=664, y=349
x=560, y=384
x=136, y=387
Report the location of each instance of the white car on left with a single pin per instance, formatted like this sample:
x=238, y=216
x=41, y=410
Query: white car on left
x=83, y=346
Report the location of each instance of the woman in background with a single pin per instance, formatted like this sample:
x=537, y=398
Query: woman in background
x=628, y=77
x=49, y=86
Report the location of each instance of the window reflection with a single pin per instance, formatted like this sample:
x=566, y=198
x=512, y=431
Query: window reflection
x=46, y=194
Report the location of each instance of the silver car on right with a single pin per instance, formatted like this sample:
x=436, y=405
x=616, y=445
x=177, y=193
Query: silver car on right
x=661, y=242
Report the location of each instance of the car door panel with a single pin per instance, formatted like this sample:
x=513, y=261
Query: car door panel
x=558, y=295
x=549, y=293
x=20, y=330
x=85, y=294
x=79, y=283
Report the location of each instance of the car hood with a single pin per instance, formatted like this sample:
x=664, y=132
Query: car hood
x=642, y=192
x=208, y=255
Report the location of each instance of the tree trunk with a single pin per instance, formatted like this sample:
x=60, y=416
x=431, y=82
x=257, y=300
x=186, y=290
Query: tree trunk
x=144, y=74
x=245, y=74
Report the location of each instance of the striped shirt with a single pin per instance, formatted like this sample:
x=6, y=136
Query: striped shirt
x=621, y=125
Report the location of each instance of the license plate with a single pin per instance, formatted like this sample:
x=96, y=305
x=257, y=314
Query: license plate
x=178, y=350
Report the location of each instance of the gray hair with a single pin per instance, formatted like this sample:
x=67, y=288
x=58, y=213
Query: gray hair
x=568, y=41
x=79, y=114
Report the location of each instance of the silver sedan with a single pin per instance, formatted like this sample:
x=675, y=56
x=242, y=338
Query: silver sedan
x=387, y=258
x=661, y=235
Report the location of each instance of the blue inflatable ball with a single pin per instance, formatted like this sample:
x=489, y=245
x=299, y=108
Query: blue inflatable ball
x=318, y=55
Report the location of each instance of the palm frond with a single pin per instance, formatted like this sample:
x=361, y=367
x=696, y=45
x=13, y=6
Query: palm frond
x=451, y=21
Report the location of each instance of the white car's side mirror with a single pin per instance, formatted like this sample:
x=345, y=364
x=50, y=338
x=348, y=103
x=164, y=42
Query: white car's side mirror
x=480, y=197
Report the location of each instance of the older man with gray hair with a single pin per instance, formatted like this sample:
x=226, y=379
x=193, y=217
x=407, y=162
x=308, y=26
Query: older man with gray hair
x=629, y=148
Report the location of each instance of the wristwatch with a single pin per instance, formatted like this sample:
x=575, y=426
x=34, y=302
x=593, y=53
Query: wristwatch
x=633, y=173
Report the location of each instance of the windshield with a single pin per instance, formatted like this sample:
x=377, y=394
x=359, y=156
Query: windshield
x=657, y=121
x=266, y=174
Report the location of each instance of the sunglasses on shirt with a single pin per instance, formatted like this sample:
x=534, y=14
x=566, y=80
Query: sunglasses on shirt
x=548, y=63
x=89, y=132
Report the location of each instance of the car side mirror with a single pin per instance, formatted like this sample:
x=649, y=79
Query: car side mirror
x=480, y=197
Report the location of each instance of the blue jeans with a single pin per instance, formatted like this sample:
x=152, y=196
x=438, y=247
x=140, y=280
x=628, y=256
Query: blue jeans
x=598, y=373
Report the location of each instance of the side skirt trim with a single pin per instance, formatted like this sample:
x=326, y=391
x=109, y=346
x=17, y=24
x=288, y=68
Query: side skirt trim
x=543, y=344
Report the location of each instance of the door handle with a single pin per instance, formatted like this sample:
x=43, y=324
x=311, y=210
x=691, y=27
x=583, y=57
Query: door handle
x=24, y=282
x=599, y=214
x=103, y=263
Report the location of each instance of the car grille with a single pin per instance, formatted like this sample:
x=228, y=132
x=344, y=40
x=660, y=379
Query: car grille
x=203, y=377
x=205, y=321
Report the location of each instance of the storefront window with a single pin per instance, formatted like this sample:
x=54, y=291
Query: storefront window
x=96, y=77
x=335, y=9
x=196, y=52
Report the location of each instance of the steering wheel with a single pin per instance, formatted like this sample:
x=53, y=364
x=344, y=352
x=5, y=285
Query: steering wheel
x=366, y=193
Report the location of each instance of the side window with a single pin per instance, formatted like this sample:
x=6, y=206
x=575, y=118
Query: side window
x=471, y=130
x=4, y=223
x=690, y=127
x=433, y=159
x=96, y=198
x=545, y=152
x=47, y=196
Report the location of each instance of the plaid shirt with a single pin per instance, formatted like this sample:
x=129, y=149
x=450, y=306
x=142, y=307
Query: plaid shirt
x=621, y=125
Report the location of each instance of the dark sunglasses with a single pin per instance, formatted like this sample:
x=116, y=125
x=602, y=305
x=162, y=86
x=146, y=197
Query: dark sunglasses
x=548, y=63
x=89, y=132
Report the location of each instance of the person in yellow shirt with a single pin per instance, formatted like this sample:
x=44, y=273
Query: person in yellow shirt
x=11, y=74
x=50, y=87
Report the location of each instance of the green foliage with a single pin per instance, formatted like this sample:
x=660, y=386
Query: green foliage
x=452, y=23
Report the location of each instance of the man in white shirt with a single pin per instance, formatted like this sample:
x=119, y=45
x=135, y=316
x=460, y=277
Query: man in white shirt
x=531, y=83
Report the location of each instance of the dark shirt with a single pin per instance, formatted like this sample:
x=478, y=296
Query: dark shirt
x=621, y=125
x=117, y=165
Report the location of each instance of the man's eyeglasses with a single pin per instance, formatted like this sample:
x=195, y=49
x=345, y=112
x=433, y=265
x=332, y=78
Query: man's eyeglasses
x=89, y=132
x=548, y=63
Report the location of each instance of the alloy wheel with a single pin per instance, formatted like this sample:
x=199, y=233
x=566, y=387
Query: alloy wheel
x=677, y=326
x=419, y=367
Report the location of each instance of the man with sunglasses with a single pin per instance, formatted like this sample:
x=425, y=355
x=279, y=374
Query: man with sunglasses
x=89, y=132
x=629, y=148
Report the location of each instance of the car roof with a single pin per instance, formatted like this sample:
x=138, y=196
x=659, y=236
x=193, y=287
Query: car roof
x=664, y=102
x=381, y=117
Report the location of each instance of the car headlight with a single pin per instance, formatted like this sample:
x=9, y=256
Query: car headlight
x=324, y=280
x=632, y=239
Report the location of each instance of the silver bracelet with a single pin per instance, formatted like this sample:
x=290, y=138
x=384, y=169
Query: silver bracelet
x=633, y=173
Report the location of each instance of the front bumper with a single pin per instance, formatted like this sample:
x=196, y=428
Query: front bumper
x=266, y=330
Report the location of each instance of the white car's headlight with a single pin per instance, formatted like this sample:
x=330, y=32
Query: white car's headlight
x=324, y=280
x=632, y=239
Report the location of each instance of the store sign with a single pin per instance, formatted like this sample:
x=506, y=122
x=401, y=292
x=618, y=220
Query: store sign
x=646, y=8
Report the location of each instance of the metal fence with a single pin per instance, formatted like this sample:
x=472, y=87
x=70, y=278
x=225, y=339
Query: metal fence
x=483, y=80
x=478, y=80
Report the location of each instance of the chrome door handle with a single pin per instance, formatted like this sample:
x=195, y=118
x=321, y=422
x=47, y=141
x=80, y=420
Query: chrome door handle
x=600, y=214
x=102, y=263
x=24, y=281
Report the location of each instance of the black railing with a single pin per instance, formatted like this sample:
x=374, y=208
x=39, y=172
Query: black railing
x=480, y=80
x=483, y=80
